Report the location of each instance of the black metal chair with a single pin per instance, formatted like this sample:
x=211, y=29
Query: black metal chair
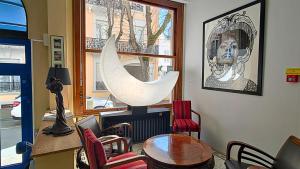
x=288, y=156
x=118, y=130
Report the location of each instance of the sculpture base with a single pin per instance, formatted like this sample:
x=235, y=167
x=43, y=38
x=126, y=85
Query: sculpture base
x=138, y=110
x=55, y=131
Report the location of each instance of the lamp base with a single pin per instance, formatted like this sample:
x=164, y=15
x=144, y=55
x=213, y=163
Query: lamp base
x=58, y=130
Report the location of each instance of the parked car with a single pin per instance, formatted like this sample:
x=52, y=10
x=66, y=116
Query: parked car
x=5, y=104
x=16, y=109
x=98, y=103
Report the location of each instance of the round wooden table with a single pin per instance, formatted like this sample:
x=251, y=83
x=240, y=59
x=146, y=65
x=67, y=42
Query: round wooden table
x=178, y=151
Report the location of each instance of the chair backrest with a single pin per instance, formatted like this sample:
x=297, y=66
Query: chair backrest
x=182, y=109
x=288, y=156
x=95, y=150
x=89, y=122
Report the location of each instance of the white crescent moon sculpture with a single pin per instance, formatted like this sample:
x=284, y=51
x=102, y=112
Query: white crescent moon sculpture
x=127, y=88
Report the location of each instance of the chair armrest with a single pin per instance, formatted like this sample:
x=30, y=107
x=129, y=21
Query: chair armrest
x=125, y=161
x=197, y=113
x=118, y=129
x=108, y=137
x=117, y=140
x=250, y=156
x=199, y=117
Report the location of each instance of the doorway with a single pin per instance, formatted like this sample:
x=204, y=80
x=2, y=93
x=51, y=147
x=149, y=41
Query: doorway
x=15, y=101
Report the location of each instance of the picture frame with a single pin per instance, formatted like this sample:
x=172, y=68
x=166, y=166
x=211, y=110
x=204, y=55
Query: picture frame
x=233, y=43
x=57, y=51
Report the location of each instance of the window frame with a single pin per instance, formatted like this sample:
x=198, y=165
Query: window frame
x=80, y=51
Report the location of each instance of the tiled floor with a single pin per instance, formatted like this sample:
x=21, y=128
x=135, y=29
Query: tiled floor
x=219, y=158
x=219, y=161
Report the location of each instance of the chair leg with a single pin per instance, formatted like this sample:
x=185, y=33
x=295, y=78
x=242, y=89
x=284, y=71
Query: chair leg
x=199, y=135
x=189, y=133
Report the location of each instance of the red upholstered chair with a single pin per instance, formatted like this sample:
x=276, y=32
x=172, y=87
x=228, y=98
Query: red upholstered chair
x=182, y=118
x=97, y=157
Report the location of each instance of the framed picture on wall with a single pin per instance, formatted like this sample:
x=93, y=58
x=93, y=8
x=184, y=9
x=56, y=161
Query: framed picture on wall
x=233, y=50
x=57, y=51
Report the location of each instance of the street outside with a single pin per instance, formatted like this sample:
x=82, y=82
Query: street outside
x=10, y=135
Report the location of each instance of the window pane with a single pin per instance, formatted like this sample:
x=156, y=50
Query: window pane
x=97, y=94
x=149, y=31
x=10, y=119
x=12, y=54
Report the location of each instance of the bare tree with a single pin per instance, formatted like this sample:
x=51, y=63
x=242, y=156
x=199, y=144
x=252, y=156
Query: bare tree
x=121, y=21
x=111, y=6
x=151, y=36
x=125, y=7
x=110, y=11
x=132, y=39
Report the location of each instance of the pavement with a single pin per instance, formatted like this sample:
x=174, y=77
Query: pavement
x=10, y=135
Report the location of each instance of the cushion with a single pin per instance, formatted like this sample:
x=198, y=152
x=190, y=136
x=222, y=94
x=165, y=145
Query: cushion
x=232, y=164
x=133, y=165
x=182, y=109
x=95, y=151
x=183, y=125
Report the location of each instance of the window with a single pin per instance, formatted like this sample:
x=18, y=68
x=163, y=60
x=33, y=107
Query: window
x=101, y=29
x=145, y=40
x=13, y=23
x=12, y=54
x=139, y=34
x=9, y=84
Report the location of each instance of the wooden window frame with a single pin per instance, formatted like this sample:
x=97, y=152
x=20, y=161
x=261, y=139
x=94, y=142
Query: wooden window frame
x=80, y=53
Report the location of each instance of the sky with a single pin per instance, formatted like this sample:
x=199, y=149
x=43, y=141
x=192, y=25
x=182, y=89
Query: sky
x=12, y=15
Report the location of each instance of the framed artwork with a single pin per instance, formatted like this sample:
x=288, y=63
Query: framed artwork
x=233, y=50
x=57, y=51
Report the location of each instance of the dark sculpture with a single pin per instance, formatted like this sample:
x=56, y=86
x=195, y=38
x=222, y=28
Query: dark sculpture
x=60, y=126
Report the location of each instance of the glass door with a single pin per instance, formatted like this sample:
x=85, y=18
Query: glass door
x=15, y=102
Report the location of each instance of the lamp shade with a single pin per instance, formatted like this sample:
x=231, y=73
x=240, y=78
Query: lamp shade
x=59, y=73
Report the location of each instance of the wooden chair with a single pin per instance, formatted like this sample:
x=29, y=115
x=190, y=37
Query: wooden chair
x=182, y=118
x=119, y=130
x=98, y=160
x=288, y=156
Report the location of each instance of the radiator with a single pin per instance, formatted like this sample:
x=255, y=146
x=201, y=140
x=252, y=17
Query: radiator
x=156, y=121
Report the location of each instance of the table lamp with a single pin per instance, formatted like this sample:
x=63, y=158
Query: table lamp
x=57, y=77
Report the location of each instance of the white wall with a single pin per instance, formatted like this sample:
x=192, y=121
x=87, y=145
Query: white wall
x=264, y=121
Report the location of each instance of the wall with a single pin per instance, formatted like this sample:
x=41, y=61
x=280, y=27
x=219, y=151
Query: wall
x=60, y=23
x=37, y=25
x=47, y=17
x=53, y=17
x=265, y=121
